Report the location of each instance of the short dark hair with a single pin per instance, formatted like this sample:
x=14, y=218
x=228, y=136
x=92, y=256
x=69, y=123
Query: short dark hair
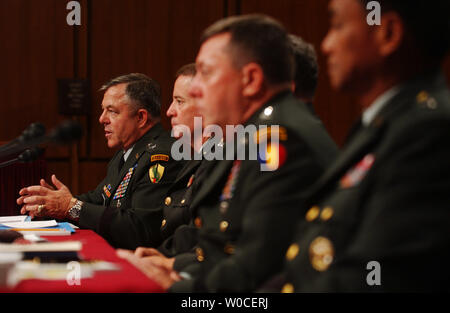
x=306, y=67
x=427, y=21
x=257, y=38
x=144, y=92
x=186, y=70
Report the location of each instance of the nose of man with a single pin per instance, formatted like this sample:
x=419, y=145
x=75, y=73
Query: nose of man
x=171, y=110
x=325, y=46
x=102, y=119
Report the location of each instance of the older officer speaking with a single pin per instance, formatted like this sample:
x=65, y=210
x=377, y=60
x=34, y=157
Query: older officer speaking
x=125, y=207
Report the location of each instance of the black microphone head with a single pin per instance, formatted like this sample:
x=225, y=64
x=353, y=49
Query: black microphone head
x=31, y=154
x=33, y=131
x=67, y=132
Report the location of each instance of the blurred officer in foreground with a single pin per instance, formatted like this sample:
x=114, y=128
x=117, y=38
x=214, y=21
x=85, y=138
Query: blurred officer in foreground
x=176, y=252
x=125, y=207
x=379, y=218
x=245, y=215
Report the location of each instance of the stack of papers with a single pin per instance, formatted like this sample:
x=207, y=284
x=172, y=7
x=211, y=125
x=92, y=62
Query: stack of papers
x=41, y=247
x=41, y=228
x=14, y=219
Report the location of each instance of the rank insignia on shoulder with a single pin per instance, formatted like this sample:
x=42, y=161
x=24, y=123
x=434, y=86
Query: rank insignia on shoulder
x=159, y=157
x=155, y=173
x=425, y=100
x=267, y=113
x=106, y=190
x=266, y=133
x=275, y=156
x=358, y=172
x=422, y=96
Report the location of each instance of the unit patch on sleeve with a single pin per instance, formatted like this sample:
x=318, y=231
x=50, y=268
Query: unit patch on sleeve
x=155, y=173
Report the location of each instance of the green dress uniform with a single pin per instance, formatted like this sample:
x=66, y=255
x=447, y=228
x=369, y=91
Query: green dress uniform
x=125, y=208
x=246, y=217
x=179, y=231
x=380, y=216
x=177, y=213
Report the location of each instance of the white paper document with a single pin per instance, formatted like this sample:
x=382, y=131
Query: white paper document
x=13, y=219
x=46, y=247
x=31, y=225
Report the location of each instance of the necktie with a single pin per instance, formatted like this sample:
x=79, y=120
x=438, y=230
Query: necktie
x=121, y=162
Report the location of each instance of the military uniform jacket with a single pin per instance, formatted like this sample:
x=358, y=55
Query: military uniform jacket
x=125, y=208
x=245, y=216
x=380, y=215
x=177, y=213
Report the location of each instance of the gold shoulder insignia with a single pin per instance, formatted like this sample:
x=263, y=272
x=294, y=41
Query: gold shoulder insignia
x=425, y=100
x=422, y=96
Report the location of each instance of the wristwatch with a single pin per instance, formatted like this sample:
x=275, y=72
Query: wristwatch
x=74, y=211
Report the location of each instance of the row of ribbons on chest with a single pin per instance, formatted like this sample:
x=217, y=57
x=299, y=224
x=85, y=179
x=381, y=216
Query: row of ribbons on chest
x=122, y=189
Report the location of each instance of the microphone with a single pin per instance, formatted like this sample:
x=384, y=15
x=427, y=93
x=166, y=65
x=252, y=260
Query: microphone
x=33, y=136
x=34, y=130
x=65, y=133
x=28, y=155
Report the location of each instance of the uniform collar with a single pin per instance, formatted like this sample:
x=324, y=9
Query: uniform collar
x=127, y=153
x=372, y=111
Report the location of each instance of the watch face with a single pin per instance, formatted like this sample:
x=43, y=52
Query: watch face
x=74, y=213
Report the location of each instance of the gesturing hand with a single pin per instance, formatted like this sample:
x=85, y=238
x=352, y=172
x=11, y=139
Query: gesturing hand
x=54, y=202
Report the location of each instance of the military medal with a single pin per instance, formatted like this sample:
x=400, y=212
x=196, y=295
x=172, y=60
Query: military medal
x=122, y=189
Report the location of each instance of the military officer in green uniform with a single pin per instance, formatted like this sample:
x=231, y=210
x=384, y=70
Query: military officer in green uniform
x=125, y=206
x=379, y=217
x=182, y=112
x=246, y=208
x=177, y=230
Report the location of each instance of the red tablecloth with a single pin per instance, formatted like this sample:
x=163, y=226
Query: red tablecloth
x=128, y=279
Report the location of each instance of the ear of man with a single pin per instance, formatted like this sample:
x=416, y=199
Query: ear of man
x=143, y=117
x=390, y=34
x=252, y=80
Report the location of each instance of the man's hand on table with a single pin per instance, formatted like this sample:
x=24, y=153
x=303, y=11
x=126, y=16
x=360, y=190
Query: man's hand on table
x=153, y=264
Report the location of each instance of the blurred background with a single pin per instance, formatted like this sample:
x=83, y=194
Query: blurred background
x=116, y=37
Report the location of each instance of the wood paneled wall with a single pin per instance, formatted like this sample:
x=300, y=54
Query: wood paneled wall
x=154, y=37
